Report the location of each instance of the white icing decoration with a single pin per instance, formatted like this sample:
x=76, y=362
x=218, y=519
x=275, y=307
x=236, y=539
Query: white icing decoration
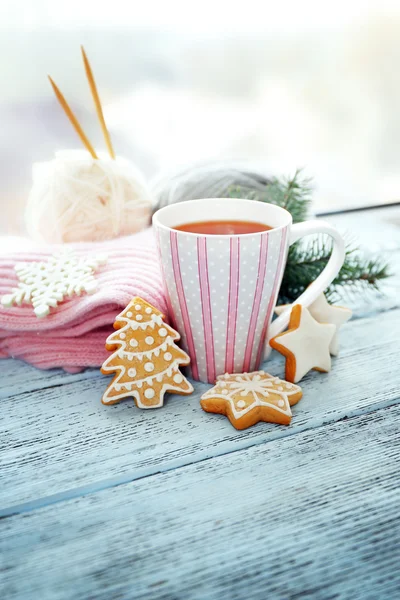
x=164, y=346
x=163, y=332
x=148, y=310
x=45, y=284
x=168, y=356
x=149, y=340
x=137, y=307
x=323, y=312
x=309, y=343
x=149, y=393
x=139, y=318
x=260, y=390
x=122, y=336
x=132, y=372
x=178, y=378
x=129, y=388
x=129, y=314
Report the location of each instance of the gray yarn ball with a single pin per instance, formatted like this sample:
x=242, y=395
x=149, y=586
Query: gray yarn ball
x=207, y=180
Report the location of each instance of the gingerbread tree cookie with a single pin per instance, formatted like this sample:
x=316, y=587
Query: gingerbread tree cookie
x=145, y=358
x=251, y=397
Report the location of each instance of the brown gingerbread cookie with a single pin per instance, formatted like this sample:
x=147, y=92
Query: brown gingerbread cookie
x=145, y=358
x=246, y=398
x=305, y=345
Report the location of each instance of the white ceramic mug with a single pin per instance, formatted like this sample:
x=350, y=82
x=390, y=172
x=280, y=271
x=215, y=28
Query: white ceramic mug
x=222, y=289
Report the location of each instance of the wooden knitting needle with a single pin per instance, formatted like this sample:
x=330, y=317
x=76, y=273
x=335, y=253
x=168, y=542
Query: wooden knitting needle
x=74, y=121
x=97, y=103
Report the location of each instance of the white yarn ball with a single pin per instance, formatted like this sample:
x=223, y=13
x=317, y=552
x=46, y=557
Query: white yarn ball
x=76, y=198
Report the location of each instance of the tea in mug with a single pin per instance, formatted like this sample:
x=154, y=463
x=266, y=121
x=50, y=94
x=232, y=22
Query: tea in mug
x=223, y=227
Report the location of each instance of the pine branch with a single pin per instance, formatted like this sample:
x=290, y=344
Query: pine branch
x=306, y=261
x=291, y=193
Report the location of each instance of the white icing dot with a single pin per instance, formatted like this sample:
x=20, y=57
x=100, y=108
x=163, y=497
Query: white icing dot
x=149, y=340
x=122, y=336
x=244, y=393
x=163, y=332
x=241, y=404
x=133, y=343
x=168, y=356
x=149, y=367
x=129, y=314
x=224, y=391
x=148, y=310
x=139, y=317
x=281, y=403
x=280, y=388
x=178, y=378
x=149, y=393
x=137, y=307
x=131, y=372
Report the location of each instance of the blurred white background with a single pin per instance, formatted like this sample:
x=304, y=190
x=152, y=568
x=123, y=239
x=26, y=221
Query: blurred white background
x=287, y=84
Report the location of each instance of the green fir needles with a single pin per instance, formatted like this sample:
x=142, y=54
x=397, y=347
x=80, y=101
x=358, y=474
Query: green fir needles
x=307, y=259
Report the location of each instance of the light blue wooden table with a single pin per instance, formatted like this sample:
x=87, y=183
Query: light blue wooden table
x=113, y=503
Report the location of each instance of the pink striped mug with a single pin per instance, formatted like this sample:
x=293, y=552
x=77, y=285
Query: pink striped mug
x=222, y=289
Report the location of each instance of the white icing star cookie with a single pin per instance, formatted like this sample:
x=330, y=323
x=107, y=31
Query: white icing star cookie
x=305, y=344
x=247, y=398
x=323, y=312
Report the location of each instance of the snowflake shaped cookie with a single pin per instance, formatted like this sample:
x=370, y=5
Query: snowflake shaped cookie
x=44, y=284
x=251, y=397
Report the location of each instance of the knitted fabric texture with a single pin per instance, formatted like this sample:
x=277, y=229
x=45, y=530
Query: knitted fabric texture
x=73, y=335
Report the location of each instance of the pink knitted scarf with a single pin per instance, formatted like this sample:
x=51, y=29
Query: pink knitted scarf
x=72, y=336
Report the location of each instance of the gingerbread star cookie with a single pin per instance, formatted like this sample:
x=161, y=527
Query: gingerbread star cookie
x=248, y=398
x=323, y=312
x=305, y=344
x=145, y=358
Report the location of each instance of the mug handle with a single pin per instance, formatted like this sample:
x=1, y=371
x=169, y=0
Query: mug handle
x=323, y=280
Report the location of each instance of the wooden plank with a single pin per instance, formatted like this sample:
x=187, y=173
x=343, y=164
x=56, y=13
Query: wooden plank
x=17, y=377
x=313, y=515
x=63, y=440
